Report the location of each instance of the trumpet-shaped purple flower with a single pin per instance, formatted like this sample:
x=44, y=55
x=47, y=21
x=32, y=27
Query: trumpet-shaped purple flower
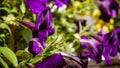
x=41, y=30
x=108, y=8
x=43, y=26
x=111, y=42
x=60, y=3
x=54, y=61
x=36, y=6
x=94, y=47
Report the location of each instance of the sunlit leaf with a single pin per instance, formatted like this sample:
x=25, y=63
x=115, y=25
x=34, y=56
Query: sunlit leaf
x=3, y=63
x=2, y=35
x=5, y=26
x=36, y=59
x=22, y=7
x=9, y=54
x=6, y=9
x=23, y=55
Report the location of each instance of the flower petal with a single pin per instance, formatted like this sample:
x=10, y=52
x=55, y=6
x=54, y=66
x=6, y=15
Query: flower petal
x=44, y=20
x=94, y=49
x=113, y=51
x=34, y=47
x=108, y=8
x=36, y=6
x=106, y=55
x=54, y=61
x=60, y=3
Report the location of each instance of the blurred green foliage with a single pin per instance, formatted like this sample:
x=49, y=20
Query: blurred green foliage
x=13, y=36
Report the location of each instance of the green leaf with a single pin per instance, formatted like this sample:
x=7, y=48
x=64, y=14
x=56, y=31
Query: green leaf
x=9, y=54
x=22, y=64
x=2, y=35
x=23, y=55
x=22, y=7
x=27, y=34
x=4, y=8
x=5, y=26
x=3, y=63
x=36, y=59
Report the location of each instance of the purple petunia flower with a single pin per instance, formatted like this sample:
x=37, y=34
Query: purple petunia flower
x=44, y=19
x=36, y=6
x=77, y=60
x=43, y=26
x=108, y=8
x=60, y=3
x=94, y=47
x=111, y=41
x=54, y=61
x=34, y=46
x=40, y=30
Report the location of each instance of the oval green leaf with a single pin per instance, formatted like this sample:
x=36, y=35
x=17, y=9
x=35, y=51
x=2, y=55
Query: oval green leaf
x=9, y=54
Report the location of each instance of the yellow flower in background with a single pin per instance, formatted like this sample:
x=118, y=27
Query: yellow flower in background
x=87, y=12
x=96, y=13
x=70, y=9
x=107, y=26
x=80, y=8
x=112, y=21
x=77, y=4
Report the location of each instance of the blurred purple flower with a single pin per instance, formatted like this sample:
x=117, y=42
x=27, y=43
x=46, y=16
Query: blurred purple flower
x=54, y=61
x=40, y=30
x=102, y=32
x=34, y=46
x=84, y=59
x=43, y=26
x=94, y=47
x=44, y=19
x=36, y=6
x=111, y=41
x=77, y=60
x=60, y=3
x=108, y=8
